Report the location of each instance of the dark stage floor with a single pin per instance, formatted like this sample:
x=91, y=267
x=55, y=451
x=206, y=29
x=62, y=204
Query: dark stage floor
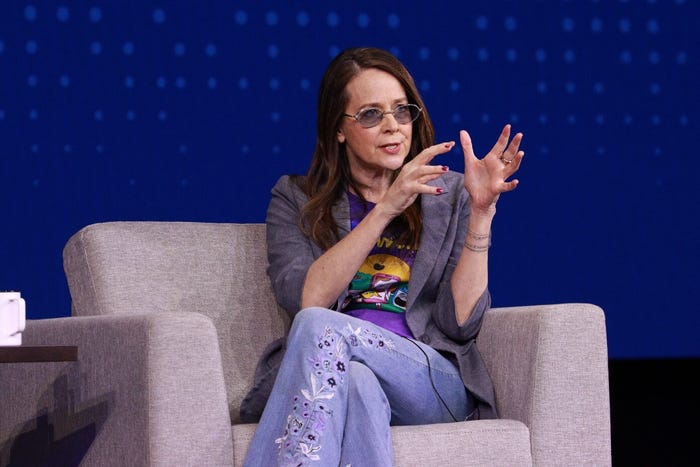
x=654, y=410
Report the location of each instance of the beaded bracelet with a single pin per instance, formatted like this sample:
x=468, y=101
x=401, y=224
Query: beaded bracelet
x=477, y=236
x=476, y=248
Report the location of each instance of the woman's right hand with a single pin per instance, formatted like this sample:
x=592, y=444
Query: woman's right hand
x=413, y=180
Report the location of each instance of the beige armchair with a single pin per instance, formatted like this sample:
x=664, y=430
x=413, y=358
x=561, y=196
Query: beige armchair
x=170, y=318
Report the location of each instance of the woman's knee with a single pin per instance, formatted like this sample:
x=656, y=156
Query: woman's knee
x=364, y=385
x=310, y=321
x=366, y=398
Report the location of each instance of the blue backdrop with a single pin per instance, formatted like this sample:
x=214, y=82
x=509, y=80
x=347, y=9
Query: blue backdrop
x=190, y=110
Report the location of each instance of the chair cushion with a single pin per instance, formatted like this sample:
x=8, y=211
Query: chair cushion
x=463, y=444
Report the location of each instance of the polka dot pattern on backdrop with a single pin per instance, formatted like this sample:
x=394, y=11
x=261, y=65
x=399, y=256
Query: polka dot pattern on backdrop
x=189, y=72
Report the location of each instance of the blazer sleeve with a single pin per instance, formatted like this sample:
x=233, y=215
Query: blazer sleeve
x=444, y=314
x=289, y=252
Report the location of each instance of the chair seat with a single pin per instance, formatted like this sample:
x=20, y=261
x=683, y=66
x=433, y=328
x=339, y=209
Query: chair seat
x=463, y=444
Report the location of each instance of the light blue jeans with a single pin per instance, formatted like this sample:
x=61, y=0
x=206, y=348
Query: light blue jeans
x=343, y=381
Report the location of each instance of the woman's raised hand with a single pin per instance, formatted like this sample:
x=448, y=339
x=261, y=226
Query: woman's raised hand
x=485, y=179
x=414, y=176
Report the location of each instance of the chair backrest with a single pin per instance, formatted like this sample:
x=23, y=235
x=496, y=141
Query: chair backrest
x=216, y=269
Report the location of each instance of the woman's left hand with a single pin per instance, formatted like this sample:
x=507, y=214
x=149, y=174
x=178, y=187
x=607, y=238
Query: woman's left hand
x=485, y=179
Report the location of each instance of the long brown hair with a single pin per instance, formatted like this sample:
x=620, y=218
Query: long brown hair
x=329, y=173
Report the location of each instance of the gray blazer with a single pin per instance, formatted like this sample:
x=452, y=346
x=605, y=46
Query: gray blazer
x=430, y=311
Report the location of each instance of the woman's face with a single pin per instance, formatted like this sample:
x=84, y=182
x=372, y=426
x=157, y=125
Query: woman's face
x=381, y=149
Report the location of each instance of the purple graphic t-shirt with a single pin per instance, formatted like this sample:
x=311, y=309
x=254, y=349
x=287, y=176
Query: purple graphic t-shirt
x=379, y=290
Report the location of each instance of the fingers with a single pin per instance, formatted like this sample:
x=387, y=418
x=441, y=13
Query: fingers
x=502, y=149
x=418, y=172
x=429, y=153
x=466, y=142
x=509, y=153
x=427, y=173
x=502, y=141
x=513, y=156
x=510, y=186
x=513, y=148
x=514, y=163
x=506, y=150
x=415, y=176
x=491, y=174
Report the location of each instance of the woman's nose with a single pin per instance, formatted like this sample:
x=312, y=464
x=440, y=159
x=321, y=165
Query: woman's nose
x=389, y=122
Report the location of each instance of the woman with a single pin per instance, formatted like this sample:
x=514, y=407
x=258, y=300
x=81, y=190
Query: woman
x=385, y=254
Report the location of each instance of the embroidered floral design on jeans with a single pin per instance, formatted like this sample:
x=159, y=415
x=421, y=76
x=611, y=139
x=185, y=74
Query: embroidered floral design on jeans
x=308, y=420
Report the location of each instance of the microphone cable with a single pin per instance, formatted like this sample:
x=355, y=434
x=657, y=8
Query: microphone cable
x=432, y=382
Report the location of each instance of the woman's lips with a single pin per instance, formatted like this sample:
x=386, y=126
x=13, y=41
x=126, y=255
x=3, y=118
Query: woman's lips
x=391, y=148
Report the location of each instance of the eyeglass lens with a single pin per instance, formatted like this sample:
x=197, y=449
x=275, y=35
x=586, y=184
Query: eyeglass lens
x=403, y=114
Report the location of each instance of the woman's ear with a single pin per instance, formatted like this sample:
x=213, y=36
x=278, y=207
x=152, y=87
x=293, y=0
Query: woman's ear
x=340, y=136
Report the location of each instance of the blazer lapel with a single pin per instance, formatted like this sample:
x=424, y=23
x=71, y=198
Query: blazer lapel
x=437, y=212
x=341, y=214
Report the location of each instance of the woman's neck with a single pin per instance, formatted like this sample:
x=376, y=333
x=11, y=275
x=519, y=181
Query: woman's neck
x=371, y=188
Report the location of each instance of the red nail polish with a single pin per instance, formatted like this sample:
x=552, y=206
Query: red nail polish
x=439, y=190
x=445, y=168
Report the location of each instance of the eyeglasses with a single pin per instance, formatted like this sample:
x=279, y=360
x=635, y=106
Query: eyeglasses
x=403, y=114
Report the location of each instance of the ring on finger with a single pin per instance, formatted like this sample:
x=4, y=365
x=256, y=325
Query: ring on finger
x=505, y=161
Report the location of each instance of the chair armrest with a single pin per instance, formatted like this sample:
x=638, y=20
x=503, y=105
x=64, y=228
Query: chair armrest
x=147, y=389
x=549, y=365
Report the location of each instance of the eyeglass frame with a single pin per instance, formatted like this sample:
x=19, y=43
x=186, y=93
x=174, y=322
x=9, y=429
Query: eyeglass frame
x=392, y=112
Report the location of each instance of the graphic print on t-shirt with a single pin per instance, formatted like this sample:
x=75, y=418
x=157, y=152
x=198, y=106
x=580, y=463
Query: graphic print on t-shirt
x=381, y=283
